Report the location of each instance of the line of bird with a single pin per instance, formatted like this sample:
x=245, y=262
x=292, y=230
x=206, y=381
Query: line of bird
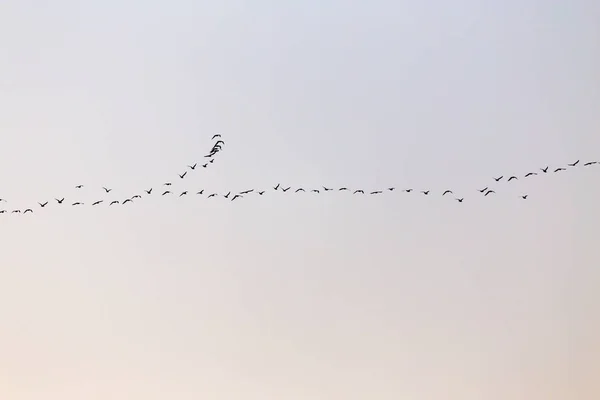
x=279, y=187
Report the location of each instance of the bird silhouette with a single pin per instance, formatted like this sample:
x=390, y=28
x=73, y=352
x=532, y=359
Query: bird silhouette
x=166, y=192
x=299, y=190
x=315, y=191
x=530, y=174
x=358, y=191
x=247, y=191
x=167, y=184
x=227, y=195
x=559, y=169
x=261, y=192
x=236, y=196
x=43, y=204
x=376, y=192
x=587, y=164
x=277, y=187
x=544, y=170
x=97, y=202
x=460, y=200
x=137, y=196
x=391, y=189
x=114, y=202
x=15, y=211
x=28, y=210
x=212, y=160
x=498, y=179
x=574, y=164
x=327, y=189
x=148, y=191
x=182, y=175
x=77, y=204
x=205, y=165
x=408, y=190
x=2, y=211
x=524, y=197
x=106, y=189
x=216, y=136
x=488, y=192
x=2, y=200
x=483, y=190
x=446, y=192
x=60, y=201
x=511, y=178
x=425, y=192
x=286, y=189
x=343, y=188
x=212, y=195
x=183, y=193
x=201, y=191
x=192, y=166
x=127, y=201
x=78, y=186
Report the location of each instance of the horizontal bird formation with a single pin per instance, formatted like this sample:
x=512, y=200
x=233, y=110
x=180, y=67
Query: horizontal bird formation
x=165, y=188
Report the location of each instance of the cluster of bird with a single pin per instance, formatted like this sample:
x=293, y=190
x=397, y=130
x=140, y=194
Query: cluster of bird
x=217, y=147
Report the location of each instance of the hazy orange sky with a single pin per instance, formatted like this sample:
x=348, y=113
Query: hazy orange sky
x=302, y=296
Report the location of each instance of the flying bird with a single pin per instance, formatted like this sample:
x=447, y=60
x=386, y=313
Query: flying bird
x=544, y=170
x=524, y=197
x=326, y=189
x=511, y=178
x=460, y=200
x=127, y=201
x=192, y=166
x=488, y=192
x=498, y=179
x=106, y=189
x=286, y=189
x=299, y=190
x=391, y=189
x=590, y=163
x=376, y=192
x=166, y=192
x=167, y=184
x=358, y=191
x=408, y=190
x=43, y=204
x=148, y=191
x=205, y=165
x=276, y=187
x=446, y=192
x=236, y=196
x=77, y=203
x=60, y=201
x=183, y=193
x=182, y=175
x=201, y=192
x=78, y=186
x=425, y=192
x=216, y=136
x=97, y=202
x=574, y=164
x=28, y=210
x=212, y=195
x=114, y=202
x=16, y=211
x=137, y=196
x=261, y=193
x=247, y=191
x=227, y=195
x=559, y=169
x=530, y=174
x=483, y=190
x=315, y=191
x=343, y=188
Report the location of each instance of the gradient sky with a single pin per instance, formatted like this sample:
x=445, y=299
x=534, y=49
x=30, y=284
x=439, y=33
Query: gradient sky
x=300, y=296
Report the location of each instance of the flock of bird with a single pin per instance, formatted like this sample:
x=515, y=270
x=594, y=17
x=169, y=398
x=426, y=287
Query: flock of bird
x=217, y=147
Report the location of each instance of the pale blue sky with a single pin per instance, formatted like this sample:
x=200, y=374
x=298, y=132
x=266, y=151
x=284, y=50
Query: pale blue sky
x=300, y=296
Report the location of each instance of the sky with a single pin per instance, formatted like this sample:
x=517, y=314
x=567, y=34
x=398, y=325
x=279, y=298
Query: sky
x=298, y=296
